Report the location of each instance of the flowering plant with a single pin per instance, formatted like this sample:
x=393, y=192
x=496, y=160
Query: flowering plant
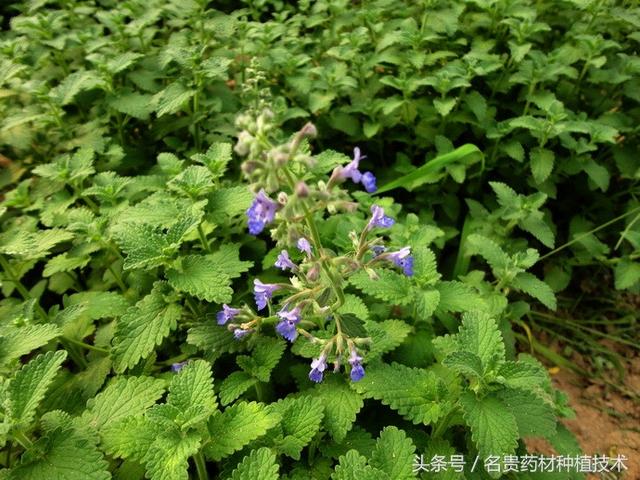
x=291, y=198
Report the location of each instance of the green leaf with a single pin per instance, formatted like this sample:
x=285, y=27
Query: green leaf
x=32, y=245
x=425, y=267
x=192, y=387
x=494, y=428
x=235, y=385
x=167, y=457
x=260, y=464
x=489, y=250
x=458, y=297
x=238, y=426
x=353, y=326
x=534, y=416
x=465, y=363
x=413, y=392
x=523, y=375
x=433, y=169
x=301, y=418
x=386, y=336
x=626, y=273
x=394, y=454
x=125, y=397
x=200, y=276
x=143, y=327
x=427, y=302
x=264, y=357
x=74, y=84
x=137, y=105
x=64, y=451
x=444, y=105
x=391, y=287
x=171, y=99
x=479, y=334
x=356, y=306
x=341, y=405
x=531, y=285
x=353, y=466
x=541, y=163
x=30, y=384
x=18, y=341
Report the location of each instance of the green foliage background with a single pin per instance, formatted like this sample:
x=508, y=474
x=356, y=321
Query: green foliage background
x=505, y=131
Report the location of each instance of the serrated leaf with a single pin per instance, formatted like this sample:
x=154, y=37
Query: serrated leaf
x=200, y=276
x=29, y=385
x=391, y=287
x=260, y=464
x=264, y=357
x=494, y=429
x=143, y=327
x=171, y=99
x=193, y=387
x=394, y=454
x=489, y=250
x=626, y=273
x=479, y=334
x=523, y=375
x=458, y=297
x=353, y=466
x=541, y=163
x=238, y=426
x=301, y=418
x=63, y=452
x=32, y=245
x=427, y=302
x=465, y=363
x=413, y=392
x=534, y=416
x=167, y=457
x=74, y=84
x=125, y=397
x=18, y=341
x=356, y=306
x=531, y=285
x=137, y=105
x=341, y=405
x=235, y=385
x=386, y=336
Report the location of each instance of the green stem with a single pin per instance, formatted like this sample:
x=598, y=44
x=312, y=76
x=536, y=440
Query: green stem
x=201, y=466
x=203, y=239
x=13, y=278
x=86, y=345
x=22, y=439
x=117, y=278
x=586, y=234
x=259, y=391
x=75, y=355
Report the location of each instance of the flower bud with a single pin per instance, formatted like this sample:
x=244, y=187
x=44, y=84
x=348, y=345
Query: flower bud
x=314, y=272
x=309, y=130
x=302, y=189
x=283, y=198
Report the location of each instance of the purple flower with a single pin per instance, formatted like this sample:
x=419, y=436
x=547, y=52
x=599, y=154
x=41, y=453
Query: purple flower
x=378, y=250
x=379, y=219
x=357, y=370
x=227, y=313
x=261, y=212
x=304, y=245
x=351, y=169
x=369, y=182
x=263, y=292
x=288, y=321
x=318, y=367
x=283, y=261
x=239, y=333
x=176, y=367
x=403, y=258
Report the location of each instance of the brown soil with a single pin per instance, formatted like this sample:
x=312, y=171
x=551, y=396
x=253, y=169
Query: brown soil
x=607, y=420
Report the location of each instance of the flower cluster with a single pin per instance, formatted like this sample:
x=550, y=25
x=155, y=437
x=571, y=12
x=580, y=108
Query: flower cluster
x=312, y=297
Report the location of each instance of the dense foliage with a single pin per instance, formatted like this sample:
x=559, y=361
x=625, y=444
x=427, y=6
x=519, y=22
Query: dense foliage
x=184, y=258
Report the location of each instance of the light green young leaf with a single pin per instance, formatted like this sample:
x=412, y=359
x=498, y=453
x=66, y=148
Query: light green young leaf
x=18, y=341
x=391, y=287
x=202, y=277
x=238, y=426
x=125, y=397
x=394, y=454
x=413, y=392
x=626, y=273
x=65, y=451
x=264, y=357
x=235, y=385
x=386, y=336
x=171, y=99
x=193, y=387
x=479, y=334
x=260, y=464
x=143, y=327
x=29, y=385
x=541, y=163
x=489, y=250
x=341, y=405
x=301, y=418
x=531, y=285
x=353, y=466
x=494, y=428
x=535, y=417
x=458, y=297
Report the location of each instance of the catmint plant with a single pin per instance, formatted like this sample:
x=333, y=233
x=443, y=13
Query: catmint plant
x=289, y=201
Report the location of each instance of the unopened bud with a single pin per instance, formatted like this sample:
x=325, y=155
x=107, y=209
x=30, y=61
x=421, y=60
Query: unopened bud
x=309, y=130
x=302, y=189
x=283, y=198
x=313, y=272
x=280, y=158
